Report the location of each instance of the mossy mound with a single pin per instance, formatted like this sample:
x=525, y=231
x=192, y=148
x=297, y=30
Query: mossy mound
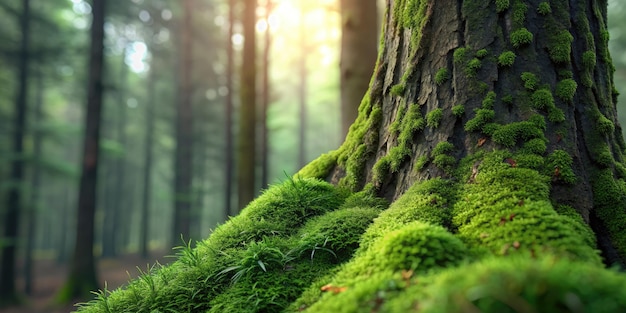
x=259, y=261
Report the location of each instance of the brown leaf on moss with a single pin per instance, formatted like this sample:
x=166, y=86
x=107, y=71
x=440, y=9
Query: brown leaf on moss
x=516, y=245
x=511, y=162
x=333, y=289
x=557, y=171
x=482, y=141
x=512, y=216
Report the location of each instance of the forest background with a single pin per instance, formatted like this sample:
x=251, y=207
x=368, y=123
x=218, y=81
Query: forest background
x=298, y=45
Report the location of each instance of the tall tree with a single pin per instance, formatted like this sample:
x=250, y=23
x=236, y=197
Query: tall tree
x=82, y=278
x=265, y=95
x=228, y=111
x=358, y=55
x=246, y=153
x=148, y=160
x=183, y=158
x=302, y=89
x=8, y=292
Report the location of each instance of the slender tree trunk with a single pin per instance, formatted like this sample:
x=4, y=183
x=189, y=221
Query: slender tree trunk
x=8, y=292
x=228, y=111
x=358, y=55
x=265, y=97
x=247, y=121
x=302, y=93
x=120, y=208
x=82, y=273
x=147, y=171
x=184, y=133
x=34, y=207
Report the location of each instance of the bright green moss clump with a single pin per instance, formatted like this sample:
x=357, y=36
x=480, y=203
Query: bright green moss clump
x=442, y=76
x=482, y=53
x=521, y=37
x=544, y=8
x=460, y=54
x=560, y=46
x=502, y=5
x=472, y=67
x=434, y=117
x=507, y=58
x=566, y=89
x=531, y=81
x=458, y=110
x=397, y=90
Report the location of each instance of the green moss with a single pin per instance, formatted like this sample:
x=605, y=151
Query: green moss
x=458, y=110
x=440, y=156
x=502, y=5
x=531, y=81
x=508, y=99
x=398, y=90
x=489, y=101
x=460, y=55
x=482, y=117
x=521, y=37
x=434, y=117
x=519, y=14
x=420, y=163
x=318, y=168
x=604, y=126
x=566, y=89
x=482, y=53
x=560, y=46
x=589, y=59
x=507, y=58
x=535, y=146
x=589, y=64
x=609, y=196
x=442, y=76
x=515, y=285
x=544, y=8
x=542, y=99
x=472, y=67
x=508, y=135
x=560, y=167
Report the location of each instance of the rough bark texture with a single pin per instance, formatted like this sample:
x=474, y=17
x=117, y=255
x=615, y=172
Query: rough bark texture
x=358, y=53
x=82, y=274
x=475, y=75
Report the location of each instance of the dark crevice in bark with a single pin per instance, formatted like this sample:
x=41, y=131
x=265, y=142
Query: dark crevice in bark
x=609, y=254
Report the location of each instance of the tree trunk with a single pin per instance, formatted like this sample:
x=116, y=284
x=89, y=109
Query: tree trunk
x=184, y=134
x=8, y=293
x=246, y=154
x=533, y=80
x=265, y=97
x=147, y=170
x=82, y=273
x=34, y=206
x=358, y=54
x=302, y=91
x=228, y=112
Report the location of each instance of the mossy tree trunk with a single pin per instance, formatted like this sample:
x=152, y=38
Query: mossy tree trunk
x=455, y=78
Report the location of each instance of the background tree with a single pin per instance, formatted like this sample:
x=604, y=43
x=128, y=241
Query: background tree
x=358, y=53
x=14, y=199
x=82, y=275
x=246, y=153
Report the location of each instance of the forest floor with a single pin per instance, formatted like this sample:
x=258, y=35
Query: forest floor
x=49, y=276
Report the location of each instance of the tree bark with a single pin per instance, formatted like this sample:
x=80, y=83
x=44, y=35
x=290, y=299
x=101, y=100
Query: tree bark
x=265, y=97
x=82, y=276
x=184, y=134
x=358, y=54
x=246, y=154
x=8, y=292
x=483, y=78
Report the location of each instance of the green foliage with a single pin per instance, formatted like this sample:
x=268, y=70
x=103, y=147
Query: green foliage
x=502, y=285
x=318, y=168
x=535, y=146
x=460, y=55
x=560, y=167
x=604, y=126
x=483, y=116
x=560, y=46
x=398, y=90
x=441, y=158
x=542, y=99
x=482, y=53
x=458, y=110
x=531, y=81
x=544, y=8
x=589, y=59
x=508, y=135
x=489, y=101
x=502, y=5
x=521, y=37
x=472, y=67
x=442, y=76
x=507, y=58
x=434, y=117
x=566, y=89
x=609, y=196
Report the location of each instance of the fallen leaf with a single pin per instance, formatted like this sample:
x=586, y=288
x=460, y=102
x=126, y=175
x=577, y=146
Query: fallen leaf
x=482, y=141
x=333, y=289
x=516, y=245
x=511, y=162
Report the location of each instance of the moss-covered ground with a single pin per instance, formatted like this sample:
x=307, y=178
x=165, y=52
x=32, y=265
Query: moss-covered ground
x=487, y=239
